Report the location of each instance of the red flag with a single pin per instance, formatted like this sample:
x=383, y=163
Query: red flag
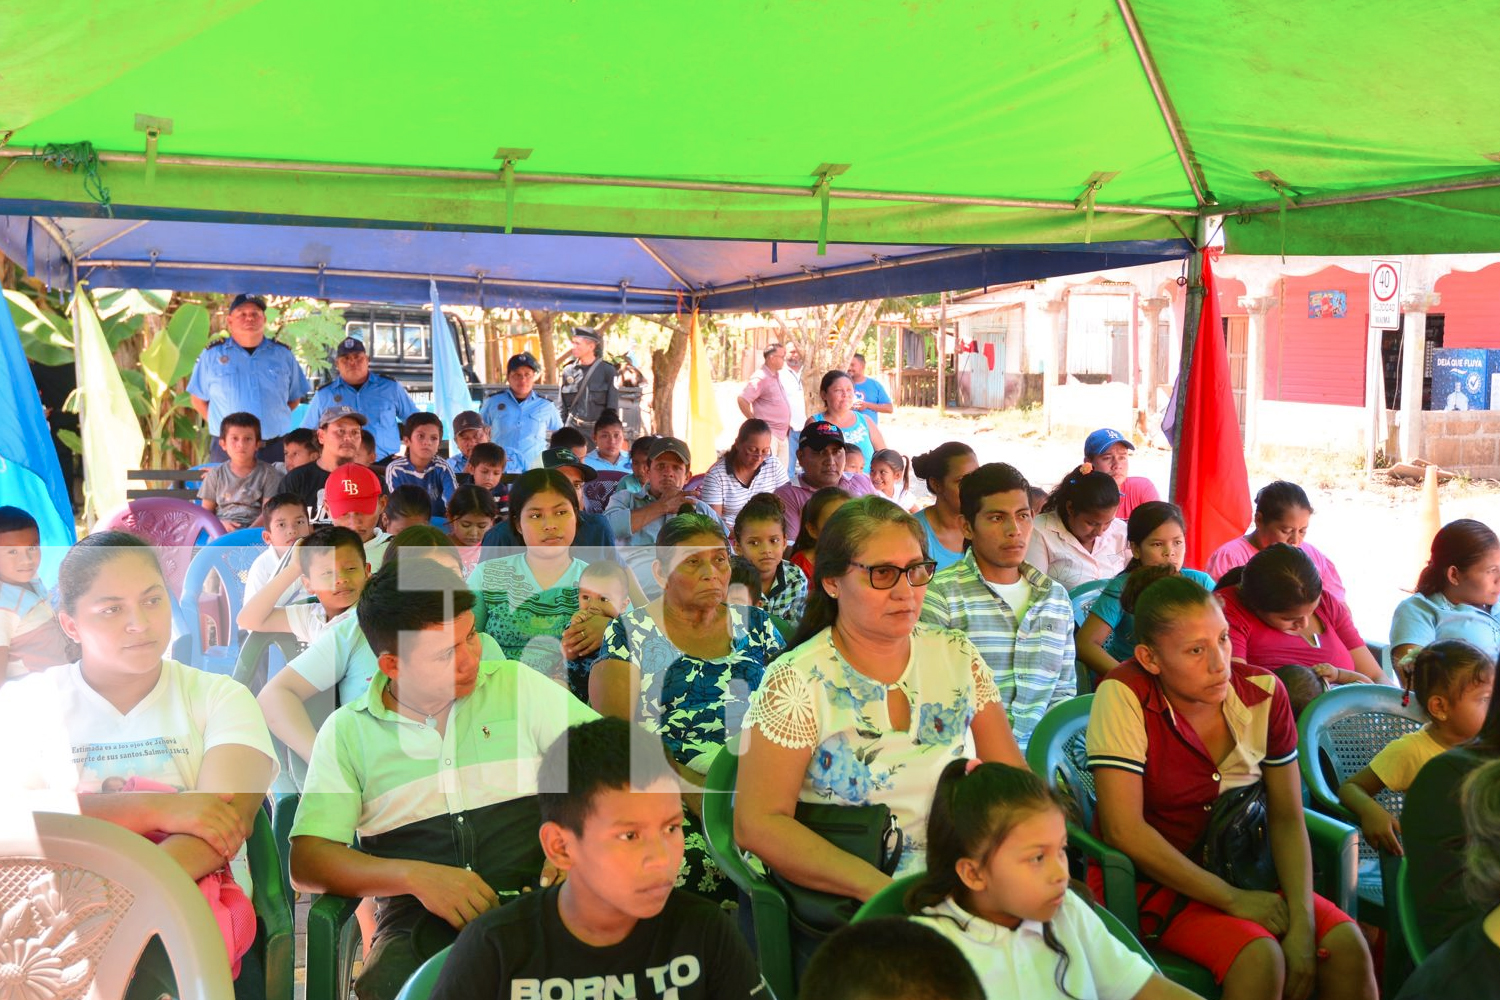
x=1213, y=488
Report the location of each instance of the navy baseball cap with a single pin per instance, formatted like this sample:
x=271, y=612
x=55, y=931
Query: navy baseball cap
x=242, y=298
x=819, y=434
x=1101, y=439
x=351, y=345
x=560, y=458
x=522, y=360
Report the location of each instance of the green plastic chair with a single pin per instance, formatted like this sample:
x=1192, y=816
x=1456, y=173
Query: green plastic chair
x=1340, y=732
x=1406, y=914
x=332, y=939
x=768, y=907
x=890, y=902
x=247, y=666
x=1058, y=752
x=421, y=983
x=271, y=896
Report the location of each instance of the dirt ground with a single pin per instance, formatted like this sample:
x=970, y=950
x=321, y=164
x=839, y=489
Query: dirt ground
x=1371, y=529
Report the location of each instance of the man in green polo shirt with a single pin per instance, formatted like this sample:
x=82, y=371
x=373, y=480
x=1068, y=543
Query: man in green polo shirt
x=433, y=771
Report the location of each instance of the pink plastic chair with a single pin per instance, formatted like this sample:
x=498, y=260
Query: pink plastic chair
x=174, y=527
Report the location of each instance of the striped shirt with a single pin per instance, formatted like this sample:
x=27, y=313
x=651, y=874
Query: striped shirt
x=1031, y=659
x=437, y=479
x=723, y=488
x=788, y=596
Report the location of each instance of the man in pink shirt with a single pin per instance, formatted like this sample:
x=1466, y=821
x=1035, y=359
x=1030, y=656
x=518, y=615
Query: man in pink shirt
x=1109, y=452
x=764, y=397
x=820, y=450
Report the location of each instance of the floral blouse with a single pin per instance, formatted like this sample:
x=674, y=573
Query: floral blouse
x=695, y=705
x=813, y=698
x=526, y=621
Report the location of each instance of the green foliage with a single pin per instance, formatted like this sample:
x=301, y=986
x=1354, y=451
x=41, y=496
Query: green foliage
x=172, y=352
x=311, y=328
x=46, y=336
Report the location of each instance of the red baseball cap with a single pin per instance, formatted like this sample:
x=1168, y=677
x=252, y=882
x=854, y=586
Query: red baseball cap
x=351, y=488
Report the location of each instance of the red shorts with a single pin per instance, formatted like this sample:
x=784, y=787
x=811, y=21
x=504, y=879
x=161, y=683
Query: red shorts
x=1213, y=938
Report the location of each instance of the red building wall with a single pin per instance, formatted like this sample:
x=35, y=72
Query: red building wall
x=1470, y=307
x=1319, y=360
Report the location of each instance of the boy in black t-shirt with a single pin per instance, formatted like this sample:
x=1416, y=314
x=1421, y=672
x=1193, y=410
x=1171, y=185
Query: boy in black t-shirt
x=616, y=926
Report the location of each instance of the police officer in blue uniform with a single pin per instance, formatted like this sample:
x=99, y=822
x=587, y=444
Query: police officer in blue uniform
x=245, y=372
x=384, y=401
x=520, y=420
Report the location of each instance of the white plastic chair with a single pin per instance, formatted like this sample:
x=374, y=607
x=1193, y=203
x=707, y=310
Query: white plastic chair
x=81, y=897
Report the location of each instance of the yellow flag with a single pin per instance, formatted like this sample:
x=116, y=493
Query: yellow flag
x=703, y=423
x=111, y=432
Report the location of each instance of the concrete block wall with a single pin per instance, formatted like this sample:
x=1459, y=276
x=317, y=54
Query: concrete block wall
x=1463, y=441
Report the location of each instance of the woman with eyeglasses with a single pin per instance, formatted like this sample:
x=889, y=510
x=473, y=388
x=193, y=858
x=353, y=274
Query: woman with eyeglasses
x=747, y=468
x=868, y=706
x=1280, y=614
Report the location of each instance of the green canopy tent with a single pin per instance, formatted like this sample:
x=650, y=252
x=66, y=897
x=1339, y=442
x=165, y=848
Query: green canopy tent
x=1331, y=128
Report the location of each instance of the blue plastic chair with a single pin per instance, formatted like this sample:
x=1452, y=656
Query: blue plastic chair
x=1083, y=597
x=214, y=645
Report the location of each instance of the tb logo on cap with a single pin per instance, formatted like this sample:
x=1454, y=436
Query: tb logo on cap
x=351, y=488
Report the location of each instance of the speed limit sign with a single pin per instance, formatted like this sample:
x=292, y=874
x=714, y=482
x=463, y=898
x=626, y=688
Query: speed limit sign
x=1385, y=294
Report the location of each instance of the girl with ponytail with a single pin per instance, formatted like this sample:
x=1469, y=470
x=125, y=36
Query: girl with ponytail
x=1077, y=538
x=1455, y=597
x=996, y=858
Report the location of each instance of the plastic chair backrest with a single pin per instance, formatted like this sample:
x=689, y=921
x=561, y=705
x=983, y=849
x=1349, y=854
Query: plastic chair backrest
x=768, y=907
x=275, y=943
x=1083, y=597
x=421, y=983
x=174, y=527
x=1058, y=752
x=228, y=558
x=81, y=897
x=1347, y=727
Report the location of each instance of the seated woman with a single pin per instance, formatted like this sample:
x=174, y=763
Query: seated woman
x=747, y=468
x=1433, y=836
x=837, y=391
x=943, y=468
x=1456, y=594
x=868, y=706
x=124, y=718
x=1171, y=730
x=1157, y=536
x=1468, y=964
x=1279, y=613
x=1282, y=513
x=684, y=665
x=1077, y=538
x=527, y=599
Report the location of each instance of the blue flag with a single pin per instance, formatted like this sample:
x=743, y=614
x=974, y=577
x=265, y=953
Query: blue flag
x=450, y=391
x=30, y=476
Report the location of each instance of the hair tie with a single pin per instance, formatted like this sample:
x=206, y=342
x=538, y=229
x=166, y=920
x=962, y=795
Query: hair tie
x=1406, y=699
x=969, y=768
x=1086, y=468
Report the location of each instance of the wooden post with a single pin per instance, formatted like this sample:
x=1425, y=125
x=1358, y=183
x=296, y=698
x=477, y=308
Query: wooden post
x=942, y=353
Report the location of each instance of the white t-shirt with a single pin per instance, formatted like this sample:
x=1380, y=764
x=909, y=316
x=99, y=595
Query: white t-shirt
x=1017, y=595
x=261, y=572
x=58, y=735
x=375, y=548
x=307, y=621
x=1018, y=963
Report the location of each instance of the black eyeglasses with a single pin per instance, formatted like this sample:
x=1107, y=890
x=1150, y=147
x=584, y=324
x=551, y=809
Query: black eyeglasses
x=884, y=576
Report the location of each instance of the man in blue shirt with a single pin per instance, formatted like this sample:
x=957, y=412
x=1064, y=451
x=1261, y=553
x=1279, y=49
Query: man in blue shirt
x=520, y=420
x=637, y=518
x=245, y=373
x=870, y=397
x=384, y=401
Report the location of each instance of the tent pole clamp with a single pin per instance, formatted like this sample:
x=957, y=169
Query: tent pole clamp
x=1284, y=192
x=508, y=156
x=154, y=128
x=1085, y=201
x=825, y=172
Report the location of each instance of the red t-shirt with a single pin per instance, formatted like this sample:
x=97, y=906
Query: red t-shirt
x=1259, y=644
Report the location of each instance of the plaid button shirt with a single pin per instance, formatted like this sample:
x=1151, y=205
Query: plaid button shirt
x=1031, y=659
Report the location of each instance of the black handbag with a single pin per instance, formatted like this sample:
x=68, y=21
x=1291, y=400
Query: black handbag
x=868, y=832
x=1235, y=846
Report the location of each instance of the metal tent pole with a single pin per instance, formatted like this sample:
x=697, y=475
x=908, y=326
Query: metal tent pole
x=1192, y=313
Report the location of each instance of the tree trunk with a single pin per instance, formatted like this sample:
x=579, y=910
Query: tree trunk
x=844, y=325
x=666, y=365
x=544, y=322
